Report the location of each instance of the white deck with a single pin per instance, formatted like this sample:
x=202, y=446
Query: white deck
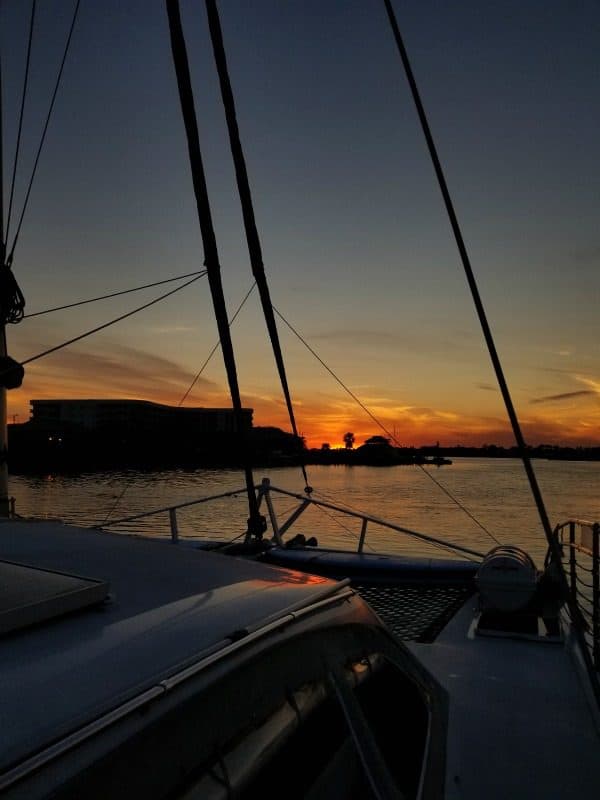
x=537, y=736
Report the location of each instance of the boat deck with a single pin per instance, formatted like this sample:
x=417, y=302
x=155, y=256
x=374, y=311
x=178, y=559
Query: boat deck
x=166, y=606
x=520, y=724
x=538, y=736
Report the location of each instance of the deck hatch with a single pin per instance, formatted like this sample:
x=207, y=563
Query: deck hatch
x=29, y=595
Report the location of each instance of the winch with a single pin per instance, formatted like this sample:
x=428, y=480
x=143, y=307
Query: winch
x=507, y=579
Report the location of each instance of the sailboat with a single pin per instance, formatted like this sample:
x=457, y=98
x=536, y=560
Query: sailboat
x=136, y=668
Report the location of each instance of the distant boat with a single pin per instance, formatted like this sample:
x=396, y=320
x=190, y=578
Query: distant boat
x=438, y=460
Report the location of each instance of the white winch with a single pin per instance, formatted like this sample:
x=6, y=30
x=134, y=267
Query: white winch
x=507, y=579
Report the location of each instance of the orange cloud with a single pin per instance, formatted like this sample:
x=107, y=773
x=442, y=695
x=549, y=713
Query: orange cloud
x=562, y=418
x=122, y=372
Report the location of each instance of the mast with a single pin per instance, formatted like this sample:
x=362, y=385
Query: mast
x=243, y=182
x=256, y=523
x=4, y=503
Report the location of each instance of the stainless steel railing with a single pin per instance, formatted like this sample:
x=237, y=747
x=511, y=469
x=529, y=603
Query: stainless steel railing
x=580, y=544
x=264, y=492
x=305, y=501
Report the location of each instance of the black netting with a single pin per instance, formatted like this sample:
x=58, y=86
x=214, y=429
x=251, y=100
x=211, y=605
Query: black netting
x=415, y=613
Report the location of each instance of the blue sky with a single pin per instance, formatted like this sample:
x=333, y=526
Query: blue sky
x=357, y=247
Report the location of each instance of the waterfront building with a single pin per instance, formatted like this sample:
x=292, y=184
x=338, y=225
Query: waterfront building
x=139, y=416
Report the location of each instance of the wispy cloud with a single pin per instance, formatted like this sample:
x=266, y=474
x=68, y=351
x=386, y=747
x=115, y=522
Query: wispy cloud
x=593, y=384
x=121, y=371
x=421, y=341
x=557, y=398
x=169, y=329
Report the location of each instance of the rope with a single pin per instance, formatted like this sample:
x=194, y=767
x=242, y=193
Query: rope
x=353, y=534
x=360, y=511
x=252, y=237
x=381, y=425
x=111, y=510
x=458, y=503
x=191, y=386
x=333, y=375
x=199, y=273
x=108, y=324
x=585, y=569
x=214, y=350
x=43, y=137
x=584, y=583
x=21, y=113
x=12, y=301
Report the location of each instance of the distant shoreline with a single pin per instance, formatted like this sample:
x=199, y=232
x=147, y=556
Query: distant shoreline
x=38, y=449
x=334, y=458
x=392, y=456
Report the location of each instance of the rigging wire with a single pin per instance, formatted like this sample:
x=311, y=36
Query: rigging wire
x=381, y=425
x=199, y=273
x=191, y=386
x=214, y=349
x=351, y=507
x=458, y=503
x=252, y=237
x=353, y=534
x=441, y=545
x=554, y=549
x=332, y=373
x=485, y=327
x=108, y=324
x=21, y=114
x=43, y=136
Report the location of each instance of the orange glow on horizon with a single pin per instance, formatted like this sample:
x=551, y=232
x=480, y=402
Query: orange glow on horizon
x=320, y=418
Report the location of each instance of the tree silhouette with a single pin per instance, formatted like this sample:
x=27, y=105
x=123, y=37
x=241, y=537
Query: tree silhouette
x=349, y=440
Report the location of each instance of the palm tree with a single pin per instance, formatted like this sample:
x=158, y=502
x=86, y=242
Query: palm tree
x=349, y=440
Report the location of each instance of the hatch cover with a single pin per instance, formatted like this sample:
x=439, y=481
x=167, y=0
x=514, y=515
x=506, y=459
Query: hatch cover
x=29, y=595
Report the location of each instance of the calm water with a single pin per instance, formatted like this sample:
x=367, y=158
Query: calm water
x=494, y=491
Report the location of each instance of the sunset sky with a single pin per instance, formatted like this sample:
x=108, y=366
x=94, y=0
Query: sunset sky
x=357, y=248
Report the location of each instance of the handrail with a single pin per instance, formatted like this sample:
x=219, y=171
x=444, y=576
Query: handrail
x=582, y=538
x=266, y=487
x=172, y=507
x=584, y=523
x=263, y=491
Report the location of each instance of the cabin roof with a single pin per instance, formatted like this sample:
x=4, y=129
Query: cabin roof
x=167, y=605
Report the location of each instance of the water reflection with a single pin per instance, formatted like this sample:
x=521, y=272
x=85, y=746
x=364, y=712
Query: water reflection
x=494, y=491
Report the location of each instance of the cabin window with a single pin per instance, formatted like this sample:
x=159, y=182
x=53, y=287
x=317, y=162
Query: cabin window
x=398, y=717
x=316, y=744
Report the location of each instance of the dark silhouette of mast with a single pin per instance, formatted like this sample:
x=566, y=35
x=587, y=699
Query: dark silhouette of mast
x=4, y=504
x=554, y=549
x=487, y=333
x=252, y=237
x=256, y=523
